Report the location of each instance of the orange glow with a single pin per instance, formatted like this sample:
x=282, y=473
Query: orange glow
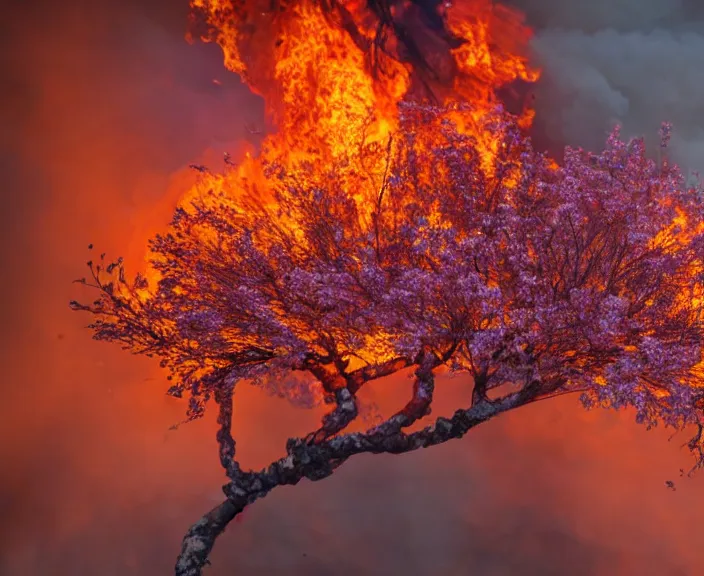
x=676, y=235
x=323, y=96
x=122, y=489
x=329, y=103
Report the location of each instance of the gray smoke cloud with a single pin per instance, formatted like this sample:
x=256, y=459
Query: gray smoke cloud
x=630, y=62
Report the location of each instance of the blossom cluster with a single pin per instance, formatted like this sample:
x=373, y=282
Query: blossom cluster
x=585, y=277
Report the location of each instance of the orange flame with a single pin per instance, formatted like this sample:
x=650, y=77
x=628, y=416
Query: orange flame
x=330, y=90
x=321, y=91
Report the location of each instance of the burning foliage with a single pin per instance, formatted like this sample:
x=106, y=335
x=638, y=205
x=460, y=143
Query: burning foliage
x=399, y=217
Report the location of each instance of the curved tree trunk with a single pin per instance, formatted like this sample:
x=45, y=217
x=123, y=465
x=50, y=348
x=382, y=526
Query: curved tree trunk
x=318, y=461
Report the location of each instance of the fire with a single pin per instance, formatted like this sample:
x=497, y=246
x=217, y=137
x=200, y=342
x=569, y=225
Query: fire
x=332, y=86
x=323, y=92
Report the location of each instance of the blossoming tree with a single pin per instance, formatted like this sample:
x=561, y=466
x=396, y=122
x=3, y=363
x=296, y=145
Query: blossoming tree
x=537, y=280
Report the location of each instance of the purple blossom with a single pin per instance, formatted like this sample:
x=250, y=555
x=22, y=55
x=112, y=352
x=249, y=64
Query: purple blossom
x=548, y=279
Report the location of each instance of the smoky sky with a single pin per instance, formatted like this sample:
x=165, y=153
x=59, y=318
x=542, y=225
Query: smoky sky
x=103, y=107
x=635, y=63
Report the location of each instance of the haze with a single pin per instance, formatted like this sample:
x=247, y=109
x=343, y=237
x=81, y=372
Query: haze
x=104, y=106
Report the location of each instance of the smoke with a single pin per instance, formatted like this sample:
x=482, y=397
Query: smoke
x=622, y=15
x=635, y=63
x=103, y=106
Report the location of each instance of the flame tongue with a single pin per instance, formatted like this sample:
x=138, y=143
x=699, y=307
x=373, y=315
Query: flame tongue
x=325, y=67
x=333, y=74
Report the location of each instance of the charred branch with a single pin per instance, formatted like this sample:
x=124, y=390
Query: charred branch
x=422, y=36
x=252, y=355
x=343, y=386
x=348, y=24
x=696, y=446
x=335, y=383
x=414, y=32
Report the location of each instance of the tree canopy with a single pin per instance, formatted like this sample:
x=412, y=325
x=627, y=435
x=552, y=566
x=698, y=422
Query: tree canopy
x=535, y=279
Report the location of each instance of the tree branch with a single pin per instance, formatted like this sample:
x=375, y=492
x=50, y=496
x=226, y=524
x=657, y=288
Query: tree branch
x=479, y=392
x=696, y=445
x=318, y=461
x=336, y=383
x=200, y=538
x=419, y=405
x=344, y=386
x=338, y=419
x=226, y=443
x=363, y=375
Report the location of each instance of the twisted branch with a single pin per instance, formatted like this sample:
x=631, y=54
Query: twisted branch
x=419, y=405
x=344, y=386
x=318, y=461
